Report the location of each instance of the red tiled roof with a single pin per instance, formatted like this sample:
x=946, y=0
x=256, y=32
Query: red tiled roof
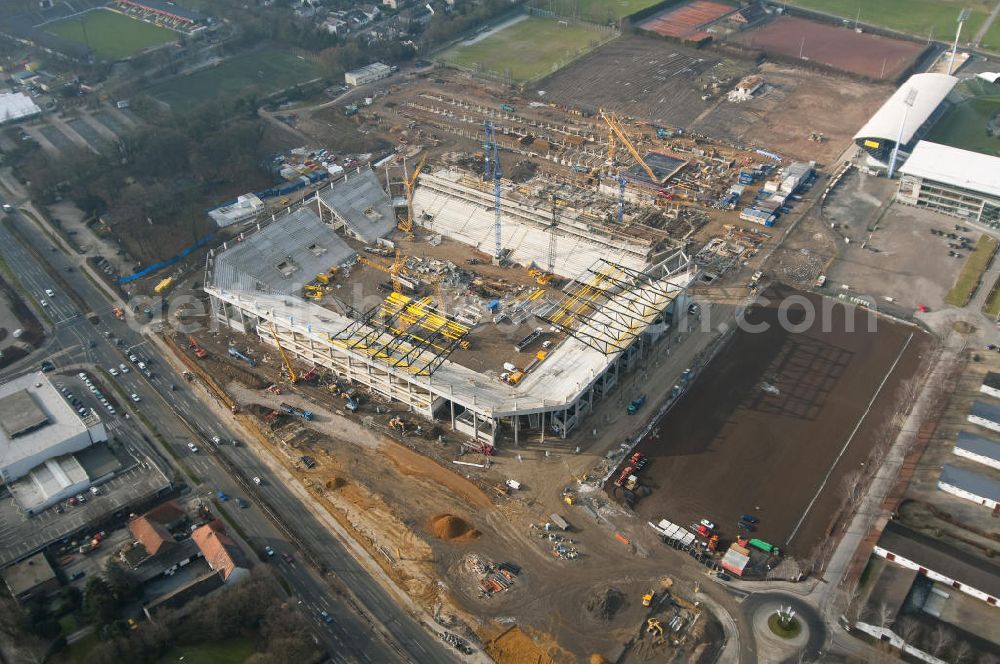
x=219, y=549
x=150, y=534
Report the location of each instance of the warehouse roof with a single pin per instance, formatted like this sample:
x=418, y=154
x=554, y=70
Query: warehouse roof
x=974, y=483
x=959, y=168
x=992, y=379
x=28, y=574
x=931, y=91
x=941, y=557
x=985, y=411
x=978, y=445
x=281, y=257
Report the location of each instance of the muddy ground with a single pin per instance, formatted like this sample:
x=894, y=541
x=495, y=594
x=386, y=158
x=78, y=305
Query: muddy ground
x=731, y=447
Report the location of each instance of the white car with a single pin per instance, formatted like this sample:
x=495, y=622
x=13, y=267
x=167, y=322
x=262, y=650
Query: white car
x=113, y=371
x=8, y=208
x=44, y=303
x=256, y=480
x=215, y=439
x=123, y=368
x=49, y=292
x=135, y=397
x=192, y=447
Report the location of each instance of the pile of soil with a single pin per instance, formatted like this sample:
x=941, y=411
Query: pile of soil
x=605, y=603
x=451, y=528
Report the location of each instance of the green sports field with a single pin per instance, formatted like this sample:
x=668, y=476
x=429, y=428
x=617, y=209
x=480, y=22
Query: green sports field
x=530, y=48
x=917, y=17
x=111, y=35
x=964, y=126
x=262, y=72
x=597, y=11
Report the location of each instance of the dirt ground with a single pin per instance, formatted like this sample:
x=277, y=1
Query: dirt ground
x=842, y=48
x=654, y=80
x=732, y=448
x=793, y=103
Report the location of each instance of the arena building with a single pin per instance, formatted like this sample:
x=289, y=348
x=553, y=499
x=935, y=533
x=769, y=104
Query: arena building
x=618, y=299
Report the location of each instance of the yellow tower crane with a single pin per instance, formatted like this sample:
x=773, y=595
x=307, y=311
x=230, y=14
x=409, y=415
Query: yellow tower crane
x=284, y=357
x=393, y=270
x=406, y=224
x=616, y=133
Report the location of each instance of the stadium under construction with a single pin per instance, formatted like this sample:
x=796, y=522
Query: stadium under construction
x=497, y=360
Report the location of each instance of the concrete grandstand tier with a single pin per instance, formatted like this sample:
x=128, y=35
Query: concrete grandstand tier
x=878, y=136
x=358, y=205
x=280, y=257
x=452, y=203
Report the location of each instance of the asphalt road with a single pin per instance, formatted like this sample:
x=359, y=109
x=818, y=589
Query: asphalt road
x=75, y=341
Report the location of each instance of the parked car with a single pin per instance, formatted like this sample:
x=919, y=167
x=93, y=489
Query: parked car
x=192, y=447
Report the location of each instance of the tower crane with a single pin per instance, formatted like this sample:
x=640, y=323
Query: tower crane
x=288, y=365
x=617, y=134
x=493, y=171
x=406, y=224
x=392, y=270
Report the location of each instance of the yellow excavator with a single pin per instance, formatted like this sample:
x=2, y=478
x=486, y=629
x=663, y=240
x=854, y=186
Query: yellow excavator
x=653, y=626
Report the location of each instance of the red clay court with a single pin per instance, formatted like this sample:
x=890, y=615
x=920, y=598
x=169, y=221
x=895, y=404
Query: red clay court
x=765, y=422
x=842, y=48
x=685, y=21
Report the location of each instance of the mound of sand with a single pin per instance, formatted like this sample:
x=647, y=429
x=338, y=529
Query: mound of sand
x=604, y=604
x=451, y=528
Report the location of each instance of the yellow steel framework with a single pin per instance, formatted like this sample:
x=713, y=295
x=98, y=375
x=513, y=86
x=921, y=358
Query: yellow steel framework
x=404, y=333
x=407, y=223
x=617, y=134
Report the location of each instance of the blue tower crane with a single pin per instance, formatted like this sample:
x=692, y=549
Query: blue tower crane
x=494, y=171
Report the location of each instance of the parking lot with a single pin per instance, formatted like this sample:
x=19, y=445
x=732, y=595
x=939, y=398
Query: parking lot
x=900, y=259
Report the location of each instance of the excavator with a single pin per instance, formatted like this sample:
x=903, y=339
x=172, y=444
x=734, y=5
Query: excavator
x=653, y=626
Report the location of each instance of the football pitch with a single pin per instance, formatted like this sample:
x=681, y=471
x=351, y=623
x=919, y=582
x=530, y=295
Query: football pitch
x=530, y=48
x=260, y=72
x=111, y=35
x=923, y=18
x=965, y=126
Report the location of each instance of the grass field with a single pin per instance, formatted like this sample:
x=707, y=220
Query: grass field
x=992, y=306
x=530, y=48
x=232, y=651
x=964, y=126
x=263, y=72
x=918, y=17
x=111, y=35
x=597, y=11
x=972, y=272
x=991, y=40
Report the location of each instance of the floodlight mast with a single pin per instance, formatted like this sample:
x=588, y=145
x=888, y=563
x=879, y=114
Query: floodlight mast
x=911, y=97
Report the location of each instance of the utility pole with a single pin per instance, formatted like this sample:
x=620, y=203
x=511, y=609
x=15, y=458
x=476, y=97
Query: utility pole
x=963, y=16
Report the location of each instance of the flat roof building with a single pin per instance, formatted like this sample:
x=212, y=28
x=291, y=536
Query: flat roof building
x=245, y=208
x=940, y=561
x=978, y=449
x=37, y=424
x=367, y=74
x=952, y=181
x=985, y=415
x=980, y=489
x=31, y=577
x=15, y=106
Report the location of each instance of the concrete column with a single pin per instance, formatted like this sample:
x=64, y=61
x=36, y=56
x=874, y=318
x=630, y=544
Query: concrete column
x=562, y=434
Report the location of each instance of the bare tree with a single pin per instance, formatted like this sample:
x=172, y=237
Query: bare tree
x=881, y=614
x=941, y=639
x=963, y=652
x=907, y=628
x=853, y=488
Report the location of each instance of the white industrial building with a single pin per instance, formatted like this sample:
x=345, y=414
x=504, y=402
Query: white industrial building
x=966, y=484
x=367, y=74
x=978, y=449
x=985, y=415
x=37, y=424
x=896, y=120
x=246, y=208
x=956, y=182
x=616, y=304
x=16, y=106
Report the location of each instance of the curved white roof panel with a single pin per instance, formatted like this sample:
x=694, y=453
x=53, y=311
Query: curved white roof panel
x=931, y=91
x=958, y=168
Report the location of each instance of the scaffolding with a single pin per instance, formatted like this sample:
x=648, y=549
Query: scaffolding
x=611, y=306
x=403, y=333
